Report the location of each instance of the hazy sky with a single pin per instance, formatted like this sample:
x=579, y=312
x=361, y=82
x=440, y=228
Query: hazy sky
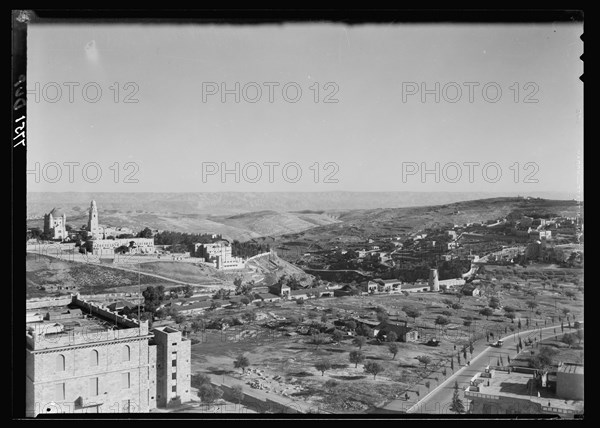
x=369, y=133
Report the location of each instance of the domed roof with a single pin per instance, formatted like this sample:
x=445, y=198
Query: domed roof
x=57, y=212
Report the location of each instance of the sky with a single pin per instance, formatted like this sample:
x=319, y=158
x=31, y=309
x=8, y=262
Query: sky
x=167, y=128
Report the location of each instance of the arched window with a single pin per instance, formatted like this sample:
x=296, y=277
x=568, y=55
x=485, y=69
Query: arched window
x=94, y=358
x=60, y=363
x=126, y=353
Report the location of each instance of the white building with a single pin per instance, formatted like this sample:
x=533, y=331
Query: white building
x=55, y=224
x=135, y=245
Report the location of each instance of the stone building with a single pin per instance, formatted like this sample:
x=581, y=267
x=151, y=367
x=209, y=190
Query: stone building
x=55, y=224
x=85, y=358
x=173, y=364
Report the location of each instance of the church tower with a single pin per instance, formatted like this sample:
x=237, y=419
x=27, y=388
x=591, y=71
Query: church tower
x=93, y=220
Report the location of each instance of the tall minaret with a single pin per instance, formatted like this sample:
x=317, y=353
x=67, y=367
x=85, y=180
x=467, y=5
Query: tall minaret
x=93, y=220
x=434, y=283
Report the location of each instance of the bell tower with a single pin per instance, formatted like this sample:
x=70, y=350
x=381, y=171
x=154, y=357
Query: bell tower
x=93, y=220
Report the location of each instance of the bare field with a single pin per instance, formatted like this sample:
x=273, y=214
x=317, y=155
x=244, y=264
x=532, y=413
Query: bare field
x=283, y=362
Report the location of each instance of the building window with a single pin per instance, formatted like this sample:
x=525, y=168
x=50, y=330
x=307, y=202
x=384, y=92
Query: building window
x=174, y=344
x=125, y=380
x=126, y=353
x=94, y=358
x=60, y=391
x=173, y=375
x=93, y=386
x=174, y=363
x=60, y=363
x=174, y=388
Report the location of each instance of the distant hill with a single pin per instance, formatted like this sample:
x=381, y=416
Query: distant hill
x=231, y=203
x=359, y=225
x=240, y=216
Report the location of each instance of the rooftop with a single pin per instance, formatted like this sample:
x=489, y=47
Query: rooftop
x=571, y=368
x=79, y=322
x=520, y=386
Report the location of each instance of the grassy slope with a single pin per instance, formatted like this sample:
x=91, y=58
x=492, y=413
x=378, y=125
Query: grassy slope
x=89, y=278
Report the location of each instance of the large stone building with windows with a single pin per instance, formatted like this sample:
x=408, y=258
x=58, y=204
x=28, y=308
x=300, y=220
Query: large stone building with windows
x=55, y=224
x=99, y=241
x=85, y=358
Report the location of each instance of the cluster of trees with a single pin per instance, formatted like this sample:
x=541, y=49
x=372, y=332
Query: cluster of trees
x=248, y=248
x=153, y=298
x=207, y=392
x=241, y=288
x=453, y=268
x=294, y=282
x=186, y=290
x=179, y=242
x=370, y=367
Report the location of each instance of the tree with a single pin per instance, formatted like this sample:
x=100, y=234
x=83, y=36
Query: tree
x=374, y=368
x=356, y=357
x=447, y=313
x=424, y=359
x=146, y=233
x=245, y=301
x=351, y=325
x=471, y=348
x=394, y=347
x=188, y=291
x=179, y=319
x=531, y=305
x=457, y=306
x=222, y=294
x=532, y=293
x=511, y=316
x=569, y=339
x=237, y=393
x=209, y=394
x=442, y=321
x=153, y=297
x=318, y=339
x=494, y=303
x=486, y=312
x=359, y=341
x=323, y=366
x=544, y=358
x=459, y=295
x=457, y=405
x=337, y=336
x=579, y=335
x=237, y=282
x=364, y=330
x=197, y=325
x=391, y=337
x=241, y=362
x=383, y=317
x=412, y=313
